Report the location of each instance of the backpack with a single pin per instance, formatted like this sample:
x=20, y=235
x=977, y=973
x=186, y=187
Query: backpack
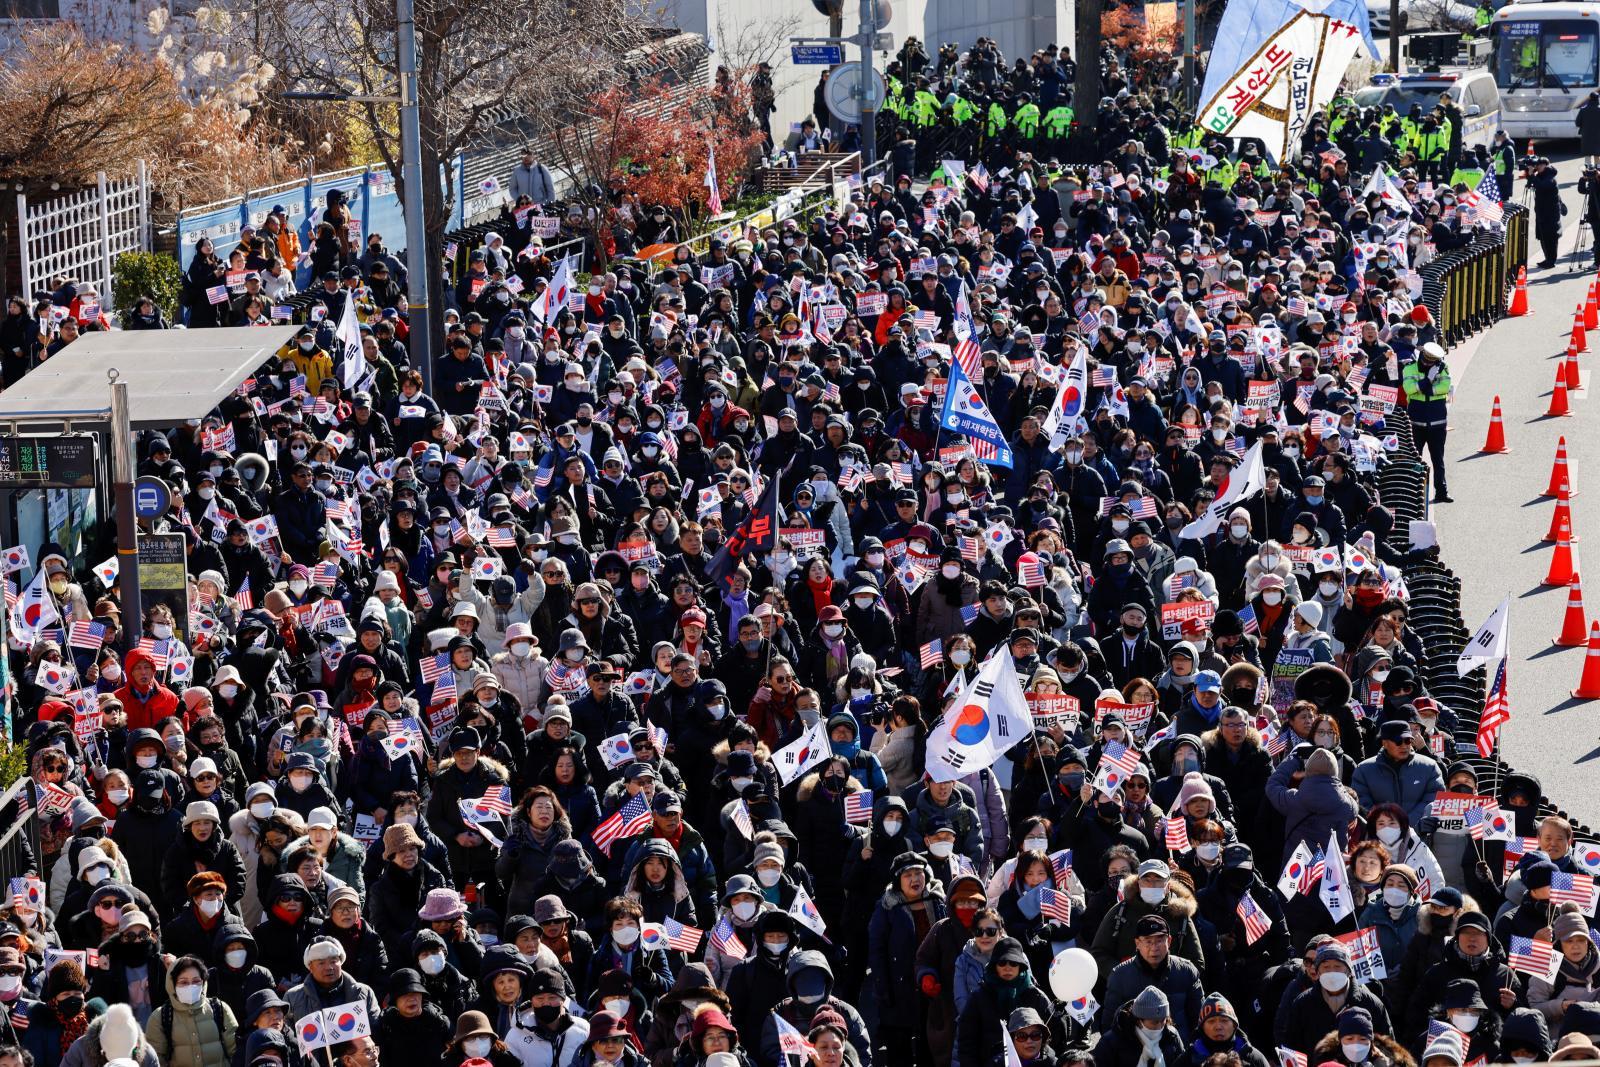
x=167, y=1013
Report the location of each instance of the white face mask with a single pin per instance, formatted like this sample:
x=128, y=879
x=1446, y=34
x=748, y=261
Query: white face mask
x=960, y=657
x=209, y=908
x=118, y=797
x=1152, y=895
x=190, y=994
x=297, y=586
x=228, y=691
x=1334, y=981
x=777, y=948
x=1119, y=525
x=618, y=1005
x=626, y=936
x=1208, y=850
x=1328, y=589
x=146, y=761
x=874, y=559
x=941, y=849
x=10, y=983
x=263, y=811
x=1269, y=560
x=892, y=827
x=96, y=875
x=1388, y=834
x=1465, y=1021
x=951, y=570
x=1239, y=531
x=432, y=963
x=1271, y=598
x=740, y=784
x=478, y=1047
x=744, y=910
x=1379, y=676
x=1036, y=844
x=1395, y=897
x=832, y=630
x=1356, y=1051
x=768, y=876
x=236, y=958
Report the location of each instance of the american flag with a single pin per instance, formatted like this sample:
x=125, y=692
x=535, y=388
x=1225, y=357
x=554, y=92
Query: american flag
x=496, y=799
x=1578, y=888
x=1247, y=618
x=502, y=537
x=1030, y=572
x=927, y=320
x=1496, y=713
x=157, y=651
x=931, y=652
x=1475, y=823
x=88, y=635
x=741, y=820
x=1314, y=873
x=901, y=471
x=1485, y=200
x=1061, y=863
x=325, y=574
x=244, y=598
x=1143, y=508
x=858, y=807
x=1297, y=306
x=1532, y=955
x=1178, y=583
x=432, y=668
x=681, y=937
x=541, y=477
x=1055, y=904
x=626, y=821
x=987, y=451
x=1104, y=376
x=1089, y=321
x=1439, y=1030
x=1288, y=1057
x=726, y=940
x=969, y=357
x=969, y=614
x=1256, y=924
x=971, y=548
x=1177, y=834
x=1120, y=756
x=444, y=690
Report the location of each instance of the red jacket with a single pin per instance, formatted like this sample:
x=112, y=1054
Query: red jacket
x=145, y=712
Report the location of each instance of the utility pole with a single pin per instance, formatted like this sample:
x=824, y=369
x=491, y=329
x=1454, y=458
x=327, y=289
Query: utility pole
x=1086, y=87
x=1191, y=90
x=421, y=279
x=1394, y=35
x=869, y=107
x=122, y=475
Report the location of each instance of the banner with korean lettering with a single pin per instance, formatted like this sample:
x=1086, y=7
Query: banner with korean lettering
x=1278, y=62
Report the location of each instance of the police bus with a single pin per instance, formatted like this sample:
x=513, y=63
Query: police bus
x=1546, y=60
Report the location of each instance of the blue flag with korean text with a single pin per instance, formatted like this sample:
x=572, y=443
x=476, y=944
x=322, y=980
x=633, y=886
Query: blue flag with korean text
x=965, y=412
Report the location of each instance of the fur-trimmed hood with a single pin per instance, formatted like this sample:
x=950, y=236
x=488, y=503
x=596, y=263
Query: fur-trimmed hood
x=720, y=750
x=808, y=786
x=1179, y=906
x=1386, y=1052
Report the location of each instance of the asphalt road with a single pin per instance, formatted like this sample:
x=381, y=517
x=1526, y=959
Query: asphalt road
x=1492, y=534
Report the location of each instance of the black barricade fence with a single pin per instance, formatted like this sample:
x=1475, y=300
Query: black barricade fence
x=1466, y=289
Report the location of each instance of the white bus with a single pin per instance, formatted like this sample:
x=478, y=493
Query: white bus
x=1546, y=60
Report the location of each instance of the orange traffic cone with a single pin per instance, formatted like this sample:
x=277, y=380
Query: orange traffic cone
x=1573, y=626
x=1496, y=441
x=1558, y=396
x=1578, y=340
x=1519, y=299
x=1529, y=153
x=1564, y=563
x=1560, y=519
x=1560, y=482
x=1589, y=684
x=1570, y=369
x=1591, y=313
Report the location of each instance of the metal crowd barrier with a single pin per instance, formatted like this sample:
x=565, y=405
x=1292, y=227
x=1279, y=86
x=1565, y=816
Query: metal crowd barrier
x=1466, y=289
x=1435, y=613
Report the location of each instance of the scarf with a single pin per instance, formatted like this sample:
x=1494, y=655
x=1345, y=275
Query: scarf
x=821, y=592
x=72, y=1029
x=738, y=607
x=1150, y=1046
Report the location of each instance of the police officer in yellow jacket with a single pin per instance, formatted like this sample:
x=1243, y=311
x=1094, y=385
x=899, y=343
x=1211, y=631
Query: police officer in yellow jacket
x=1426, y=382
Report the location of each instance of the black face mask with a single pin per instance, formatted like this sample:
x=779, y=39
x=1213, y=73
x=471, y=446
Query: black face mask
x=69, y=1006
x=1110, y=811
x=547, y=1013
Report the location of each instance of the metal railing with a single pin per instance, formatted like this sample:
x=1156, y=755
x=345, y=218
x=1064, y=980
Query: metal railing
x=1435, y=615
x=20, y=838
x=1466, y=289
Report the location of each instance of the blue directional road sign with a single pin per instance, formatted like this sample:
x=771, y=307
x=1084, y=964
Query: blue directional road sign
x=817, y=55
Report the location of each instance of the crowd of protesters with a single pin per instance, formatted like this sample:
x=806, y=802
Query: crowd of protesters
x=480, y=725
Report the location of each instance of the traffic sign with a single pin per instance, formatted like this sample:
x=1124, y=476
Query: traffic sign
x=816, y=55
x=845, y=89
x=151, y=498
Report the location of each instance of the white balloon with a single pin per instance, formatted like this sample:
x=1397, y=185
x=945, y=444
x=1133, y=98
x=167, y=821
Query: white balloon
x=1073, y=973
